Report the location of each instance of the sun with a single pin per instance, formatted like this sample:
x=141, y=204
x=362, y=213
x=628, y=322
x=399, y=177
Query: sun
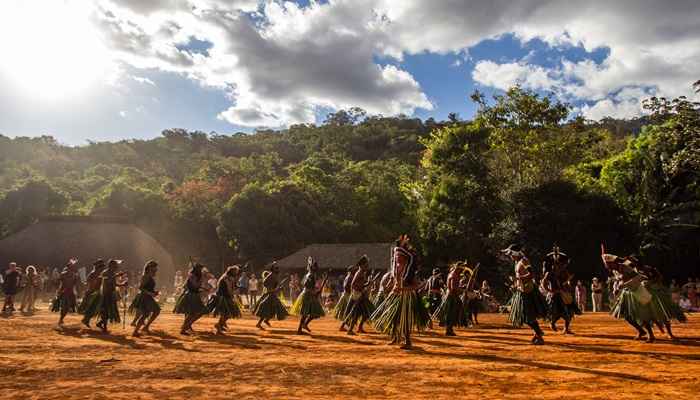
x=49, y=49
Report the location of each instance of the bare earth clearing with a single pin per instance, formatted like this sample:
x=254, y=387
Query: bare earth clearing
x=491, y=361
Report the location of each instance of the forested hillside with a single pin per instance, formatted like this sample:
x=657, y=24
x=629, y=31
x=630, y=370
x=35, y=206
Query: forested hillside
x=522, y=171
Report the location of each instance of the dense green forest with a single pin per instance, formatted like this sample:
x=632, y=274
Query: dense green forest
x=523, y=170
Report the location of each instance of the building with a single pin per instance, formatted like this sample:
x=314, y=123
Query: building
x=53, y=240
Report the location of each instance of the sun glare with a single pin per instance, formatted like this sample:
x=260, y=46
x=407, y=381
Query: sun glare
x=49, y=49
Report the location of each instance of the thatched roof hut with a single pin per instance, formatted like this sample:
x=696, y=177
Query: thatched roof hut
x=339, y=256
x=53, y=240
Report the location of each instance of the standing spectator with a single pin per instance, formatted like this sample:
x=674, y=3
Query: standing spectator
x=597, y=295
x=580, y=296
x=10, y=286
x=691, y=292
x=243, y=285
x=32, y=286
x=253, y=289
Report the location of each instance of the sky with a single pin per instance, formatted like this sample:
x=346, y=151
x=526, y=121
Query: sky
x=106, y=70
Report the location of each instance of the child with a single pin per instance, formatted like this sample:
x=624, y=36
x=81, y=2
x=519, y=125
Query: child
x=145, y=305
x=223, y=304
x=190, y=301
x=307, y=306
x=270, y=304
x=65, y=295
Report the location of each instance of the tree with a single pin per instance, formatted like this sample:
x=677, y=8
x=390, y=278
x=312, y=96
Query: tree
x=26, y=203
x=530, y=139
x=456, y=201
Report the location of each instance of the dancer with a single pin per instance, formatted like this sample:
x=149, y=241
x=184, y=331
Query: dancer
x=434, y=287
x=633, y=302
x=10, y=286
x=107, y=297
x=451, y=310
x=65, y=294
x=557, y=284
x=664, y=308
x=308, y=305
x=403, y=310
x=90, y=297
x=360, y=308
x=223, y=303
x=385, y=285
x=270, y=305
x=144, y=305
x=471, y=297
x=526, y=304
x=339, y=312
x=190, y=300
x=31, y=288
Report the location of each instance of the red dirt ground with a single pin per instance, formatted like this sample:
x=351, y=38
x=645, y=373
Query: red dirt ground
x=491, y=361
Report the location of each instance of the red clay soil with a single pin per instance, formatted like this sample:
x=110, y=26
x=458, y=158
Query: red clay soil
x=491, y=361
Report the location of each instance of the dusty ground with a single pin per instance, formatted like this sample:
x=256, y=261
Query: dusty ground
x=492, y=361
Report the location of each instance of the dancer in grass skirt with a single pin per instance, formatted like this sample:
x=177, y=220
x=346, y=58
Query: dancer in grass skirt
x=144, y=305
x=527, y=303
x=190, y=301
x=270, y=306
x=386, y=283
x=557, y=285
x=65, y=294
x=223, y=303
x=665, y=310
x=633, y=302
x=434, y=287
x=108, y=299
x=308, y=304
x=360, y=308
x=342, y=305
x=92, y=288
x=403, y=310
x=450, y=311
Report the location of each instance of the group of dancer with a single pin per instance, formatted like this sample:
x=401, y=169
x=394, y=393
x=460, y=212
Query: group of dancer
x=643, y=300
x=395, y=302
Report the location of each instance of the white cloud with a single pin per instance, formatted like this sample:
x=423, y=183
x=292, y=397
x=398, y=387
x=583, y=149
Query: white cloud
x=143, y=80
x=279, y=62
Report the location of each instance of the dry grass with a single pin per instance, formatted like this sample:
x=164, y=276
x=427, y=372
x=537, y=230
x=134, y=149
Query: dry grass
x=492, y=361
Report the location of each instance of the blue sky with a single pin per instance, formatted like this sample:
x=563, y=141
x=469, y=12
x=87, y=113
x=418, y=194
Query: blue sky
x=120, y=69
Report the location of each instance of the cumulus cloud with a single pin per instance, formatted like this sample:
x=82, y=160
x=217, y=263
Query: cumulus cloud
x=279, y=62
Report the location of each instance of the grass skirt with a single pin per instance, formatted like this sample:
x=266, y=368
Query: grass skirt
x=108, y=309
x=450, y=312
x=526, y=308
x=224, y=306
x=341, y=306
x=664, y=306
x=434, y=301
x=399, y=314
x=189, y=303
x=379, y=299
x=270, y=306
x=307, y=304
x=559, y=309
x=359, y=307
x=85, y=302
x=63, y=302
x=90, y=305
x=628, y=306
x=144, y=304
